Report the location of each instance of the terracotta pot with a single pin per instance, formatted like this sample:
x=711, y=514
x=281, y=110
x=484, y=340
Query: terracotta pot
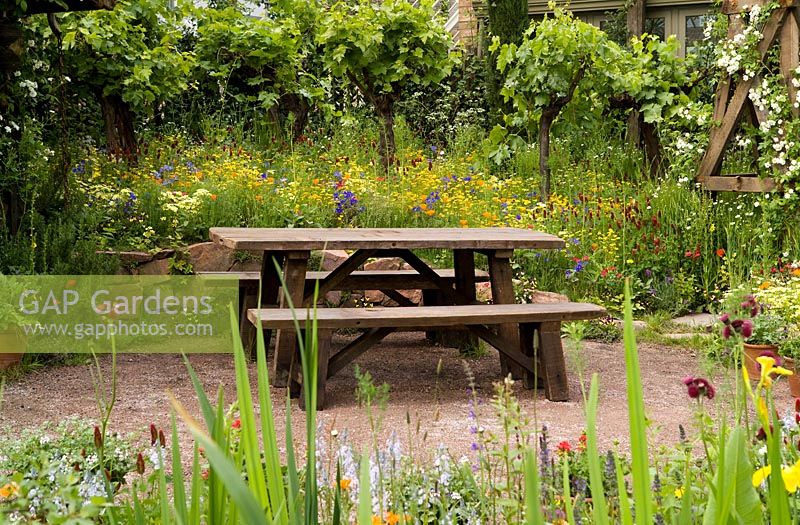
x=11, y=340
x=794, y=379
x=751, y=353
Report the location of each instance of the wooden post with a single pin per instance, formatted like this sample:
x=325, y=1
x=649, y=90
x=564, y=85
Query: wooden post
x=790, y=55
x=294, y=280
x=464, y=267
x=323, y=357
x=503, y=293
x=554, y=367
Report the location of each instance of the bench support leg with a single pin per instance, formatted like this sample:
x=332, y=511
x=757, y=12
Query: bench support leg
x=551, y=357
x=294, y=276
x=503, y=293
x=528, y=344
x=464, y=269
x=431, y=298
x=324, y=354
x=270, y=286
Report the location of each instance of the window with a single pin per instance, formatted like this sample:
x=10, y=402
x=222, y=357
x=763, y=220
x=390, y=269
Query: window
x=656, y=26
x=694, y=30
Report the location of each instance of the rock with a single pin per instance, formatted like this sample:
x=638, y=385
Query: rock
x=637, y=324
x=386, y=263
x=331, y=259
x=249, y=265
x=129, y=258
x=210, y=257
x=541, y=297
x=158, y=267
x=334, y=298
x=696, y=320
x=375, y=297
x=415, y=296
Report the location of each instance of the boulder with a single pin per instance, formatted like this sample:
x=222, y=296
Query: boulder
x=157, y=267
x=415, y=296
x=331, y=259
x=210, y=257
x=386, y=263
x=249, y=265
x=540, y=297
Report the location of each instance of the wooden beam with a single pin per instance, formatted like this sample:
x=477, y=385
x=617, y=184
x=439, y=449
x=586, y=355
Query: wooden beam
x=340, y=273
x=748, y=183
x=790, y=56
x=720, y=136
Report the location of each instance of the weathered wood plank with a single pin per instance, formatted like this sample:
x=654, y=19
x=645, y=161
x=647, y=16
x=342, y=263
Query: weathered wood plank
x=790, y=56
x=426, y=316
x=720, y=136
x=553, y=366
x=281, y=239
x=362, y=279
x=324, y=353
x=448, y=292
x=464, y=268
x=741, y=183
x=501, y=276
x=294, y=277
x=504, y=346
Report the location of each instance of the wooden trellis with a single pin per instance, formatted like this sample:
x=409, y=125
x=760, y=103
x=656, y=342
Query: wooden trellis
x=732, y=104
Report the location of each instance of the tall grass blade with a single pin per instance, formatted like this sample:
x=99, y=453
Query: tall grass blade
x=600, y=508
x=640, y=462
x=734, y=496
x=533, y=500
x=567, y=493
x=778, y=500
x=163, y=497
x=197, y=487
x=275, y=487
x=364, y=493
x=249, y=509
x=622, y=489
x=248, y=436
x=202, y=399
x=293, y=489
x=178, y=488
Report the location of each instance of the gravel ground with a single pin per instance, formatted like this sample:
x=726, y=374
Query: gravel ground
x=437, y=406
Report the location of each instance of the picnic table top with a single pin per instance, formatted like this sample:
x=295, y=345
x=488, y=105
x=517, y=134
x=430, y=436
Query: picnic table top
x=288, y=239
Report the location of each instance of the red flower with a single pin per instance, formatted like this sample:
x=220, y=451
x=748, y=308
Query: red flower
x=237, y=423
x=697, y=387
x=582, y=441
x=564, y=447
x=720, y=252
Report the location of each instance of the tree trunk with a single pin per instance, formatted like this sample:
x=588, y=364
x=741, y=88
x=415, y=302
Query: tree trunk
x=118, y=118
x=545, y=122
x=12, y=211
x=636, y=18
x=385, y=108
x=299, y=107
x=652, y=147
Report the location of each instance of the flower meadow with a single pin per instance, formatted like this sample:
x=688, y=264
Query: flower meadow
x=682, y=248
x=739, y=461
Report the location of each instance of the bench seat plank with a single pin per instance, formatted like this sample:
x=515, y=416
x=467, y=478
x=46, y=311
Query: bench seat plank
x=425, y=316
x=362, y=279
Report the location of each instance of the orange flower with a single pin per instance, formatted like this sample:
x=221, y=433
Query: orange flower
x=720, y=252
x=392, y=518
x=9, y=490
x=429, y=212
x=213, y=197
x=376, y=520
x=764, y=285
x=796, y=272
x=463, y=223
x=344, y=483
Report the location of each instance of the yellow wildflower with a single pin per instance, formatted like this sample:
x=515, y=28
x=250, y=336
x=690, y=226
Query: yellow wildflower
x=679, y=492
x=761, y=474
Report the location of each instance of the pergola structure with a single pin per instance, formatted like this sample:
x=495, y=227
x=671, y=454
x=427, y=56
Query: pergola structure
x=732, y=103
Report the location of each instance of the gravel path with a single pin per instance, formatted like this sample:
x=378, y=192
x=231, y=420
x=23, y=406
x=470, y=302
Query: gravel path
x=437, y=406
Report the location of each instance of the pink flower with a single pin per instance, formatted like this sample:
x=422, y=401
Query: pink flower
x=726, y=318
x=727, y=332
x=697, y=387
x=747, y=328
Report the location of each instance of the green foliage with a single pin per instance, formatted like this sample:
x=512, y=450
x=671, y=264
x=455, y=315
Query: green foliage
x=252, y=60
x=131, y=51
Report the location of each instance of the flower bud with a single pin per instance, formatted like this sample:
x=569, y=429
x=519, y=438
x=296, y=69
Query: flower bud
x=98, y=438
x=140, y=464
x=153, y=434
x=161, y=439
x=727, y=332
x=747, y=328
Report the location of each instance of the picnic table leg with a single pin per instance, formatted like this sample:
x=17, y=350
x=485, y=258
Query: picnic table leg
x=464, y=267
x=324, y=354
x=551, y=357
x=294, y=277
x=501, y=276
x=270, y=285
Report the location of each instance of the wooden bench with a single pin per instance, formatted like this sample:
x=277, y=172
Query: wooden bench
x=540, y=353
x=387, y=281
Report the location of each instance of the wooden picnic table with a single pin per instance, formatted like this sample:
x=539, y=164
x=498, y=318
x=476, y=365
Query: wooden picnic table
x=290, y=249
